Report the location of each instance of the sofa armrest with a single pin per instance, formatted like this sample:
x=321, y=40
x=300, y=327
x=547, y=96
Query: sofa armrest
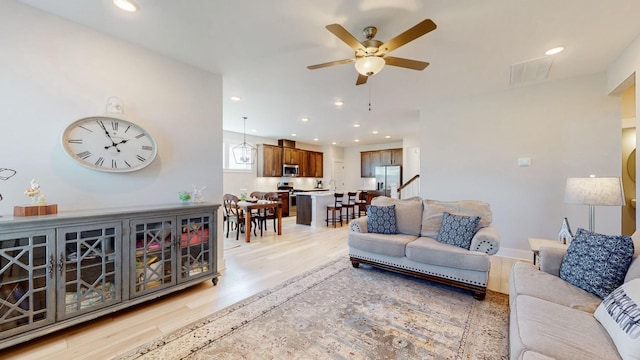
x=550, y=259
x=486, y=240
x=358, y=225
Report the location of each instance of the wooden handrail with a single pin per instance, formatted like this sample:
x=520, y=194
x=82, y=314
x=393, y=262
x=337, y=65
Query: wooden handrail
x=408, y=182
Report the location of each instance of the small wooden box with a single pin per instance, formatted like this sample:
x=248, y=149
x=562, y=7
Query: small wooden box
x=34, y=210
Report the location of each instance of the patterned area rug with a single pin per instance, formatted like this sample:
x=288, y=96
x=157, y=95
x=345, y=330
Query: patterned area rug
x=338, y=312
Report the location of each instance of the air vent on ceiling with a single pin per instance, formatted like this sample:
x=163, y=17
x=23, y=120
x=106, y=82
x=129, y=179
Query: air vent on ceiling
x=530, y=71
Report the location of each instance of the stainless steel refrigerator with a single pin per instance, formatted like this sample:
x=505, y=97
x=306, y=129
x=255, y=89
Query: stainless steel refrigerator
x=388, y=176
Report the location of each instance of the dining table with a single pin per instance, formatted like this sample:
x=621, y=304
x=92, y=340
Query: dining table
x=248, y=205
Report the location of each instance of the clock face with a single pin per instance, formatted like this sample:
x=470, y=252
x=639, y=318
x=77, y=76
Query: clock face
x=109, y=144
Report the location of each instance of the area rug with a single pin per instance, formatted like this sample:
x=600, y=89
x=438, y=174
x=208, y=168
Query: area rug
x=339, y=312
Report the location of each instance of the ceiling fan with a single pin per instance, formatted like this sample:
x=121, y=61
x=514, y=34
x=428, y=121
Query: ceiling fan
x=370, y=55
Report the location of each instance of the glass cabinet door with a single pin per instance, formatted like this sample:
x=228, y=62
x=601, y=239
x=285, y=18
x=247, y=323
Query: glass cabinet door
x=196, y=252
x=26, y=281
x=153, y=250
x=88, y=268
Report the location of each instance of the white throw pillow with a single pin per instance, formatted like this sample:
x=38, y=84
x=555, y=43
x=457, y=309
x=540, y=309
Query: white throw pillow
x=619, y=314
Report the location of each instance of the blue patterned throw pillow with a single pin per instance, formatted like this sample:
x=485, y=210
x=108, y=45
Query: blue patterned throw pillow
x=458, y=230
x=597, y=263
x=381, y=219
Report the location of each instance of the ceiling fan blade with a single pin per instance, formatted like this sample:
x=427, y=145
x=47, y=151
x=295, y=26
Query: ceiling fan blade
x=332, y=63
x=411, y=34
x=344, y=35
x=405, y=63
x=362, y=79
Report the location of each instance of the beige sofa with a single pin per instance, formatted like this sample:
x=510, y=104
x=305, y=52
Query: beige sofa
x=414, y=250
x=552, y=319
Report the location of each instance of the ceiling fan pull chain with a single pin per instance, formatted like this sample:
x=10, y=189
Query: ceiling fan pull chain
x=369, y=96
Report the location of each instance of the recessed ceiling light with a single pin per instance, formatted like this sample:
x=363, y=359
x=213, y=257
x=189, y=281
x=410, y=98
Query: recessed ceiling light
x=236, y=98
x=315, y=139
x=254, y=130
x=554, y=51
x=305, y=119
x=388, y=137
x=294, y=134
x=333, y=143
x=356, y=125
x=126, y=5
x=357, y=140
x=374, y=132
x=339, y=102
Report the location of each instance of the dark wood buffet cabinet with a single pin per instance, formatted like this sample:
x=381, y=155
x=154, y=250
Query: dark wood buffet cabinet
x=61, y=270
x=271, y=158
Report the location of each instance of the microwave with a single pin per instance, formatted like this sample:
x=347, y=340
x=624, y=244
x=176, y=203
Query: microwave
x=289, y=170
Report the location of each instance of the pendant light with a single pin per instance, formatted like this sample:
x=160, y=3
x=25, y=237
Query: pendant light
x=244, y=153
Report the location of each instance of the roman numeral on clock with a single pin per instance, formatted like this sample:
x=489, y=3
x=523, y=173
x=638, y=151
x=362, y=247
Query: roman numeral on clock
x=147, y=147
x=139, y=136
x=83, y=155
x=114, y=125
x=74, y=141
x=114, y=164
x=141, y=158
x=99, y=162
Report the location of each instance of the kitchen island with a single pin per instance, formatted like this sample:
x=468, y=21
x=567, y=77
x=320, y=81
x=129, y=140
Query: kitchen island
x=312, y=207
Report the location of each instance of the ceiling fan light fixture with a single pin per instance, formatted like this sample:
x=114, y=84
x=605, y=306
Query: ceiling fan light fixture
x=369, y=65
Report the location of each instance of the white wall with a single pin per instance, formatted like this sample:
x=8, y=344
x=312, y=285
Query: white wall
x=53, y=72
x=571, y=128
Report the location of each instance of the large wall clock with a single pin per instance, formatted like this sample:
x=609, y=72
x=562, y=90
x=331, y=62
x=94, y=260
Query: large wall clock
x=109, y=144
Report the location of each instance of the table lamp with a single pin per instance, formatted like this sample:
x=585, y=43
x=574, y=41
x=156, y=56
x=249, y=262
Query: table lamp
x=594, y=191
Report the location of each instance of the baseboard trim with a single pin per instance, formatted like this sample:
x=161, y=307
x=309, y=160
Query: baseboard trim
x=515, y=253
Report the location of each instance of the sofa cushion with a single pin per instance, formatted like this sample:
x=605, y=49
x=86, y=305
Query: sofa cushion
x=557, y=331
x=597, y=263
x=381, y=219
x=430, y=251
x=433, y=210
x=619, y=314
x=458, y=230
x=385, y=244
x=408, y=213
x=526, y=279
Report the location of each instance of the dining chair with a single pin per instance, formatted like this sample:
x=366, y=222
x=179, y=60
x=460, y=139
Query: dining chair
x=335, y=210
x=233, y=215
x=270, y=213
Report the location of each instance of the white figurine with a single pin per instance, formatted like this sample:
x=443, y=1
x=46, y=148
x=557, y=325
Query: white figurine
x=33, y=192
x=197, y=194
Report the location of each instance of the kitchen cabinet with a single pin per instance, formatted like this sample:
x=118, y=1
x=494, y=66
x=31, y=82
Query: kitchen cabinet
x=368, y=162
x=292, y=156
x=314, y=164
x=391, y=157
x=370, y=159
x=61, y=270
x=269, y=162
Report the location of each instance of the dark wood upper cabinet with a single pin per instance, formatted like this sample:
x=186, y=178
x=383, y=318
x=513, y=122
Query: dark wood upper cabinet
x=271, y=158
x=370, y=159
x=269, y=162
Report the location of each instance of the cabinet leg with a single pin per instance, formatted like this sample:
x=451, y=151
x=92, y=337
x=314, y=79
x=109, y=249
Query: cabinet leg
x=214, y=281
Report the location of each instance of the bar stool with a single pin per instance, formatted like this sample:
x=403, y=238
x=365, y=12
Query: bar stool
x=335, y=208
x=350, y=205
x=361, y=203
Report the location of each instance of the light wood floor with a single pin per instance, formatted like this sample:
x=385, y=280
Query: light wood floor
x=250, y=268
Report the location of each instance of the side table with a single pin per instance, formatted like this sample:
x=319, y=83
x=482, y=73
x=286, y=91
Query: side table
x=536, y=244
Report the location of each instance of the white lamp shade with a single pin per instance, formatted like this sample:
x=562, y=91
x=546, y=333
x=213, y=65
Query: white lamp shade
x=599, y=191
x=369, y=65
